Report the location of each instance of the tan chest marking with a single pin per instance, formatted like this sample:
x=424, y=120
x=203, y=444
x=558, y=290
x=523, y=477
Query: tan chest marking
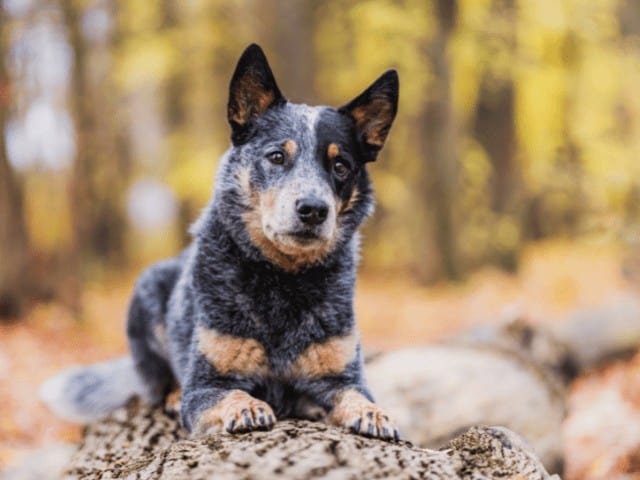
x=229, y=354
x=328, y=358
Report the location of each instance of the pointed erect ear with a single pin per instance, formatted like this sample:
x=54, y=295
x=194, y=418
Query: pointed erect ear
x=373, y=112
x=252, y=91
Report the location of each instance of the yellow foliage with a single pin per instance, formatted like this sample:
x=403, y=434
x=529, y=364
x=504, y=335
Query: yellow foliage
x=145, y=60
x=192, y=176
x=572, y=165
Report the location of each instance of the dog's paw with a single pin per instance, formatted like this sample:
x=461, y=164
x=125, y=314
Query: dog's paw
x=355, y=412
x=373, y=422
x=257, y=415
x=237, y=412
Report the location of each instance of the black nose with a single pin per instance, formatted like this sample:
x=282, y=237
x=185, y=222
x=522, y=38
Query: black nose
x=312, y=211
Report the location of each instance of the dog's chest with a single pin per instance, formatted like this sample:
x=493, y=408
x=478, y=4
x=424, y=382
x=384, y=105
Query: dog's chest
x=267, y=324
x=302, y=351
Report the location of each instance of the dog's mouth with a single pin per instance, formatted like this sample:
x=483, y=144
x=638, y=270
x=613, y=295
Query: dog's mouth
x=301, y=238
x=304, y=235
x=294, y=242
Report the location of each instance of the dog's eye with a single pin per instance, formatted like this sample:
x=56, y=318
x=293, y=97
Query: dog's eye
x=276, y=157
x=340, y=170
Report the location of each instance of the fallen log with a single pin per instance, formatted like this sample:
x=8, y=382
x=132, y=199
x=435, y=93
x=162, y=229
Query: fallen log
x=514, y=374
x=509, y=375
x=138, y=442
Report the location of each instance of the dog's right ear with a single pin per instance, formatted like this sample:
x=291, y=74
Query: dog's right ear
x=252, y=91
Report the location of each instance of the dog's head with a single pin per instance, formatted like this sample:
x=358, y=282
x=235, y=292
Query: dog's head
x=296, y=175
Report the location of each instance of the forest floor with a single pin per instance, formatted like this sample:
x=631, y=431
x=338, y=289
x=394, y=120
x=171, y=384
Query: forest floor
x=602, y=431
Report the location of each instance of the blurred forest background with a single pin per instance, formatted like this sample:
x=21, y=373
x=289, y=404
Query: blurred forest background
x=519, y=120
x=511, y=176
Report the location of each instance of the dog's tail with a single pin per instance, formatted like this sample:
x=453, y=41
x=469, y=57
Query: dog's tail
x=83, y=394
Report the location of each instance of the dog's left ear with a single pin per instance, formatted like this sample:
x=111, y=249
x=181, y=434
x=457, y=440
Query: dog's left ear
x=252, y=91
x=373, y=112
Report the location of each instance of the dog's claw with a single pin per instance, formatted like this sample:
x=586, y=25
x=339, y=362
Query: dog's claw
x=242, y=414
x=231, y=425
x=356, y=425
x=363, y=417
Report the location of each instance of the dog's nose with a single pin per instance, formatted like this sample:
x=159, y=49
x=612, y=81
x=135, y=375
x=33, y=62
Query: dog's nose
x=312, y=211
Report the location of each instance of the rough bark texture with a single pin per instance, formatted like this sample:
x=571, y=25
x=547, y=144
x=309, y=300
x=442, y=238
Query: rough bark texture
x=512, y=375
x=142, y=443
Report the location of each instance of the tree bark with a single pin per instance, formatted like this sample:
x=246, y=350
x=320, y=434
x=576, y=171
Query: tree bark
x=143, y=443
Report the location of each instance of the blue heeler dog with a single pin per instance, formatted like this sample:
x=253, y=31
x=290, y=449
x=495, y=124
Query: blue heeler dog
x=255, y=319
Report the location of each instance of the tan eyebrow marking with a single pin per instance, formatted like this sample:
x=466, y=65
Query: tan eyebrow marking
x=333, y=151
x=290, y=147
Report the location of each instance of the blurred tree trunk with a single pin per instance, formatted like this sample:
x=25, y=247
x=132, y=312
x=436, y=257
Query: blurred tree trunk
x=101, y=165
x=629, y=24
x=292, y=41
x=629, y=17
x=177, y=83
x=438, y=148
x=549, y=217
x=175, y=114
x=495, y=129
x=15, y=275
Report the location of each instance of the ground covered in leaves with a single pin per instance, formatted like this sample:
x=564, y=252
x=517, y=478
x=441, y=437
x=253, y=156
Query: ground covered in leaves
x=602, y=432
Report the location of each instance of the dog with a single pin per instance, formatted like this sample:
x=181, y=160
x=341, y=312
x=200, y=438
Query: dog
x=254, y=320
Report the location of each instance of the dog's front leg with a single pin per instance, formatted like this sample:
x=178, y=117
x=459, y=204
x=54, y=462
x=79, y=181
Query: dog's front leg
x=350, y=404
x=214, y=403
